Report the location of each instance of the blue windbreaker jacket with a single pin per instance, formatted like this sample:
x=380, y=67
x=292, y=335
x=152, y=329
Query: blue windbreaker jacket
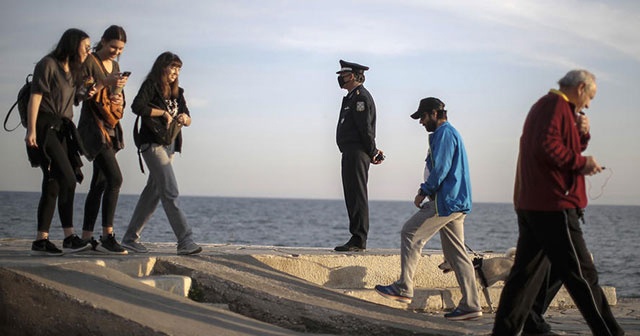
x=448, y=168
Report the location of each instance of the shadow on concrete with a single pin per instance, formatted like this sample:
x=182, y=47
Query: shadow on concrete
x=254, y=289
x=336, y=276
x=109, y=305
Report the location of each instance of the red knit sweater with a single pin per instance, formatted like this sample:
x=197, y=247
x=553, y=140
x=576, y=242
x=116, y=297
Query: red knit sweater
x=550, y=161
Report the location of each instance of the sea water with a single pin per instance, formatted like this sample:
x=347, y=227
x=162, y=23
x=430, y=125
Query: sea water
x=611, y=232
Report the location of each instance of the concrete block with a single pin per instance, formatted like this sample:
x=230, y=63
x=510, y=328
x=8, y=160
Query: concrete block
x=347, y=271
x=133, y=267
x=176, y=284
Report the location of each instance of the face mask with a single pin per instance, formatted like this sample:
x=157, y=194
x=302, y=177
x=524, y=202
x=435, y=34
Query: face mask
x=342, y=82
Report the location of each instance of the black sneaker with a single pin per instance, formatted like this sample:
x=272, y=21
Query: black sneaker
x=110, y=245
x=94, y=243
x=44, y=247
x=74, y=244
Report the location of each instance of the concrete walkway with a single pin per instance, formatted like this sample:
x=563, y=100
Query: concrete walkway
x=238, y=290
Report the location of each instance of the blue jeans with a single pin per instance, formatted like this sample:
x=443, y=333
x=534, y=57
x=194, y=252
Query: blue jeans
x=161, y=187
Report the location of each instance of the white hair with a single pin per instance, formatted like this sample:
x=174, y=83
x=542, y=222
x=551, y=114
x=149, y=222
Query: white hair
x=574, y=78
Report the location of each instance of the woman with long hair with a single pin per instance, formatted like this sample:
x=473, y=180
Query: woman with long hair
x=102, y=136
x=52, y=141
x=160, y=99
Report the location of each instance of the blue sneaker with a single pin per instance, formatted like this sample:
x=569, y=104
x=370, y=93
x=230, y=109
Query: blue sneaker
x=461, y=315
x=390, y=292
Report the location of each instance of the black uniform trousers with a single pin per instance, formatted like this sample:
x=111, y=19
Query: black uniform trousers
x=553, y=238
x=355, y=174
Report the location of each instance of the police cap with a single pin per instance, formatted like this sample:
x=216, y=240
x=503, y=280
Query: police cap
x=351, y=67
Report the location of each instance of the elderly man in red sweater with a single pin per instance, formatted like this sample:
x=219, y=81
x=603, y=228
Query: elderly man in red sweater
x=549, y=199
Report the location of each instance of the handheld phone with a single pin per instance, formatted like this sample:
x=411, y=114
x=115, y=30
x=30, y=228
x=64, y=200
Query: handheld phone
x=125, y=74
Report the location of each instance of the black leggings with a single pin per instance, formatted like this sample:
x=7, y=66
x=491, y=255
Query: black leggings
x=58, y=183
x=105, y=186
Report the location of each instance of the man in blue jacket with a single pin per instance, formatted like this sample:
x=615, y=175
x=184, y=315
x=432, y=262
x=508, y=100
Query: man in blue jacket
x=447, y=192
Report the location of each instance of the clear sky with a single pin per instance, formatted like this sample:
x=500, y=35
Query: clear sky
x=259, y=79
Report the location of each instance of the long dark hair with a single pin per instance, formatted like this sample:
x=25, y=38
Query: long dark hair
x=158, y=74
x=67, y=50
x=112, y=33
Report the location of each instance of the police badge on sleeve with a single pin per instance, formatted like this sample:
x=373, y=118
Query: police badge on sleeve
x=360, y=106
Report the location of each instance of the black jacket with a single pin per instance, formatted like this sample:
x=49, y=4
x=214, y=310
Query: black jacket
x=48, y=125
x=357, y=122
x=150, y=96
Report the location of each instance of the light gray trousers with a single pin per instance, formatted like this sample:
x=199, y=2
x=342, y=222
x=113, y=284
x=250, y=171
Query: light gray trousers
x=417, y=231
x=161, y=187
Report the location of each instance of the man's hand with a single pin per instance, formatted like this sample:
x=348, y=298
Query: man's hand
x=583, y=124
x=591, y=167
x=417, y=201
x=378, y=158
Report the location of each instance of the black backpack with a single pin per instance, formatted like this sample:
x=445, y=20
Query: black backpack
x=22, y=102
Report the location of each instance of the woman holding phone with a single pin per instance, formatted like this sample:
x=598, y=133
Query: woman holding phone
x=101, y=133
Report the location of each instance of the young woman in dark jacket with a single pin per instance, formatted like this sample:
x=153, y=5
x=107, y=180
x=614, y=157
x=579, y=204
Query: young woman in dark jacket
x=160, y=98
x=101, y=133
x=52, y=142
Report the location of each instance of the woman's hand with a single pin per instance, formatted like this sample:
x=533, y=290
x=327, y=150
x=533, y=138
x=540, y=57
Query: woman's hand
x=121, y=81
x=111, y=80
x=184, y=119
x=92, y=91
x=167, y=116
x=117, y=99
x=34, y=105
x=30, y=139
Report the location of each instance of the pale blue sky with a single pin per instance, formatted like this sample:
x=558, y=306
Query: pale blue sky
x=260, y=82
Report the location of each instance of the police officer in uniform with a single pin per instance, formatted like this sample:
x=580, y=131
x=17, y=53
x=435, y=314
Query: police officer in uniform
x=355, y=136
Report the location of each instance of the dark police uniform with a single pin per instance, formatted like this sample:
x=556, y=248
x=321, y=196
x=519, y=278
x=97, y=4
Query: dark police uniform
x=355, y=137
